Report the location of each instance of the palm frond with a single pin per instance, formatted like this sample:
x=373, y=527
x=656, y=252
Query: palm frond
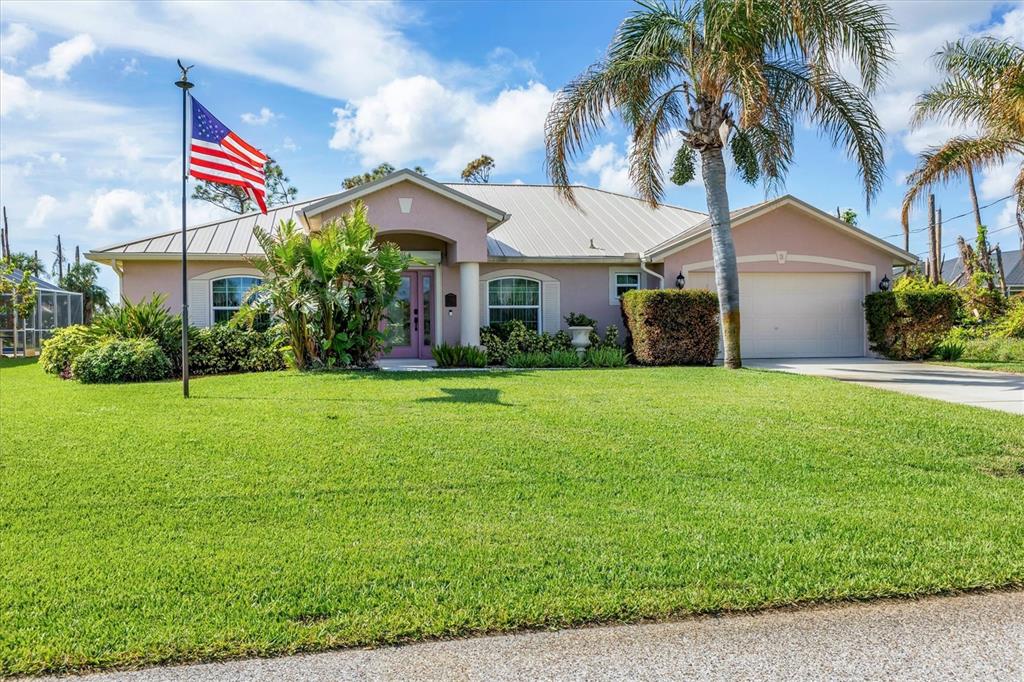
x=952, y=161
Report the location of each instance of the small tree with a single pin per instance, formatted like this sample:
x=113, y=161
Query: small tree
x=848, y=216
x=478, y=170
x=83, y=278
x=235, y=199
x=22, y=296
x=377, y=173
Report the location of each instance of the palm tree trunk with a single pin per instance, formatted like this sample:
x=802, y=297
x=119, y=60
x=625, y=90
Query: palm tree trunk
x=727, y=278
x=974, y=195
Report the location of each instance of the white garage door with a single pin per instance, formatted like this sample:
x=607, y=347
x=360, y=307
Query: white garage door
x=798, y=315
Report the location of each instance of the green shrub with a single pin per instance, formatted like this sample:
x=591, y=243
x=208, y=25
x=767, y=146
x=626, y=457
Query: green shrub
x=508, y=339
x=605, y=357
x=672, y=326
x=579, y=320
x=950, y=350
x=993, y=350
x=66, y=344
x=1011, y=325
x=458, y=356
x=147, y=319
x=564, y=358
x=224, y=348
x=610, y=340
x=121, y=360
x=909, y=324
x=529, y=360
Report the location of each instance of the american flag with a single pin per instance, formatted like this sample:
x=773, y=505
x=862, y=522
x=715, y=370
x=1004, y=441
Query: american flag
x=218, y=155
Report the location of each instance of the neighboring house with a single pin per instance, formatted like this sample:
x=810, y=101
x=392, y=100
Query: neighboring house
x=54, y=308
x=493, y=253
x=1013, y=267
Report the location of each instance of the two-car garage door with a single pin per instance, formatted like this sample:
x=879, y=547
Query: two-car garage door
x=791, y=315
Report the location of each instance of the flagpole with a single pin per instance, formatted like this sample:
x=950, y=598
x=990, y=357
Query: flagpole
x=185, y=86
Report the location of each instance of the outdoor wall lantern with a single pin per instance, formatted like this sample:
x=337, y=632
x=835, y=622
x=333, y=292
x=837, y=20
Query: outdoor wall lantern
x=680, y=280
x=884, y=284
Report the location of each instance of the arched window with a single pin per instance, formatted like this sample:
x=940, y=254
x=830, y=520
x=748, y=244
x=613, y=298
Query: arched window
x=514, y=298
x=229, y=294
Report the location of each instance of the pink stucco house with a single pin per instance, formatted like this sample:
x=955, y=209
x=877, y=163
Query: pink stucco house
x=492, y=252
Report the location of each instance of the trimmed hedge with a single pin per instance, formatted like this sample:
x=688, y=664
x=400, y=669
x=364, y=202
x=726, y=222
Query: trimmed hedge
x=910, y=324
x=122, y=360
x=672, y=326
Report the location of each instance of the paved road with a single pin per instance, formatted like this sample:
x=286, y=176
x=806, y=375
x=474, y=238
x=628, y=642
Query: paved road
x=993, y=390
x=969, y=637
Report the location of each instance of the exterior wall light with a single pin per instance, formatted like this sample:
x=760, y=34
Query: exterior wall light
x=884, y=284
x=680, y=280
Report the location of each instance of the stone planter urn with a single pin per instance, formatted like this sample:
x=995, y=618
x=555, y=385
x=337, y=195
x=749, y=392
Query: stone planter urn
x=580, y=338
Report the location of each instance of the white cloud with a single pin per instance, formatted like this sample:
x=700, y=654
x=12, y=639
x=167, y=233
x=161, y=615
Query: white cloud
x=289, y=145
x=418, y=118
x=131, y=66
x=264, y=117
x=365, y=47
x=58, y=159
x=42, y=210
x=64, y=57
x=997, y=182
x=18, y=95
x=610, y=167
x=124, y=211
x=14, y=40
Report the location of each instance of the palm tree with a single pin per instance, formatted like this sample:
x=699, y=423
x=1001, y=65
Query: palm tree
x=83, y=278
x=984, y=88
x=729, y=72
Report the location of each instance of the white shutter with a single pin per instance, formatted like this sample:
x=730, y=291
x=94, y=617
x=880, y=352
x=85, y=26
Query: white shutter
x=199, y=302
x=551, y=306
x=484, y=317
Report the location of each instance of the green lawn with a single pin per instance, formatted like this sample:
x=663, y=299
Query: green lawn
x=282, y=512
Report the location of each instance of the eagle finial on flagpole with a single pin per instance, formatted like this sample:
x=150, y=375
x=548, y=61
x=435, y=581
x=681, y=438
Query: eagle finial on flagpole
x=184, y=83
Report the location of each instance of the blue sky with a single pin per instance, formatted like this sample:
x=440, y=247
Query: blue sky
x=90, y=136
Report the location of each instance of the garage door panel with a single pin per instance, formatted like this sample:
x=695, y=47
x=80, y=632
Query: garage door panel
x=798, y=314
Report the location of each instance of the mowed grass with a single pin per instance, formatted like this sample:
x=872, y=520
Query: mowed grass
x=1012, y=367
x=283, y=512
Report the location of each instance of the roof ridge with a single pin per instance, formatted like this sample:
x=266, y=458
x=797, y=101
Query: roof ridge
x=595, y=189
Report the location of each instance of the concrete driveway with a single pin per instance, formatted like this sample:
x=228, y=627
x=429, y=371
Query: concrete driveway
x=970, y=637
x=992, y=390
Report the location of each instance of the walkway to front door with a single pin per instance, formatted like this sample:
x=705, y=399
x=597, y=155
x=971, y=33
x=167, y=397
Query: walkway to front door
x=411, y=317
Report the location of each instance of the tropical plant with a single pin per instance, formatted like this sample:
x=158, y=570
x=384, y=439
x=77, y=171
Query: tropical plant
x=529, y=360
x=377, y=173
x=717, y=73
x=564, y=358
x=509, y=338
x=950, y=350
x=84, y=278
x=31, y=264
x=330, y=288
x=983, y=88
x=236, y=199
x=446, y=355
x=147, y=319
x=478, y=170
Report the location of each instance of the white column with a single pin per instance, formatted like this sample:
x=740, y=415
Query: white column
x=469, y=304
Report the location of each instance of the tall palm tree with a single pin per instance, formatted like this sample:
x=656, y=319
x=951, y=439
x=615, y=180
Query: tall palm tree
x=984, y=88
x=735, y=73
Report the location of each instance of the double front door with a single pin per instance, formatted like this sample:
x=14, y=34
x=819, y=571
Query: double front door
x=410, y=323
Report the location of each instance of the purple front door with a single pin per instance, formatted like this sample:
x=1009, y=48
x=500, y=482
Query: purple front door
x=410, y=318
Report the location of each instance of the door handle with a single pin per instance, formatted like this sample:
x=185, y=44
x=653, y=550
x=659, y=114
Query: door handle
x=415, y=319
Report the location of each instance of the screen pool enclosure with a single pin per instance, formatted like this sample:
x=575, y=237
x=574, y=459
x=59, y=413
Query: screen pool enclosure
x=55, y=308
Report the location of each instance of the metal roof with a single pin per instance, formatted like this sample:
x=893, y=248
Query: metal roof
x=41, y=284
x=541, y=225
x=1013, y=267
x=231, y=237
